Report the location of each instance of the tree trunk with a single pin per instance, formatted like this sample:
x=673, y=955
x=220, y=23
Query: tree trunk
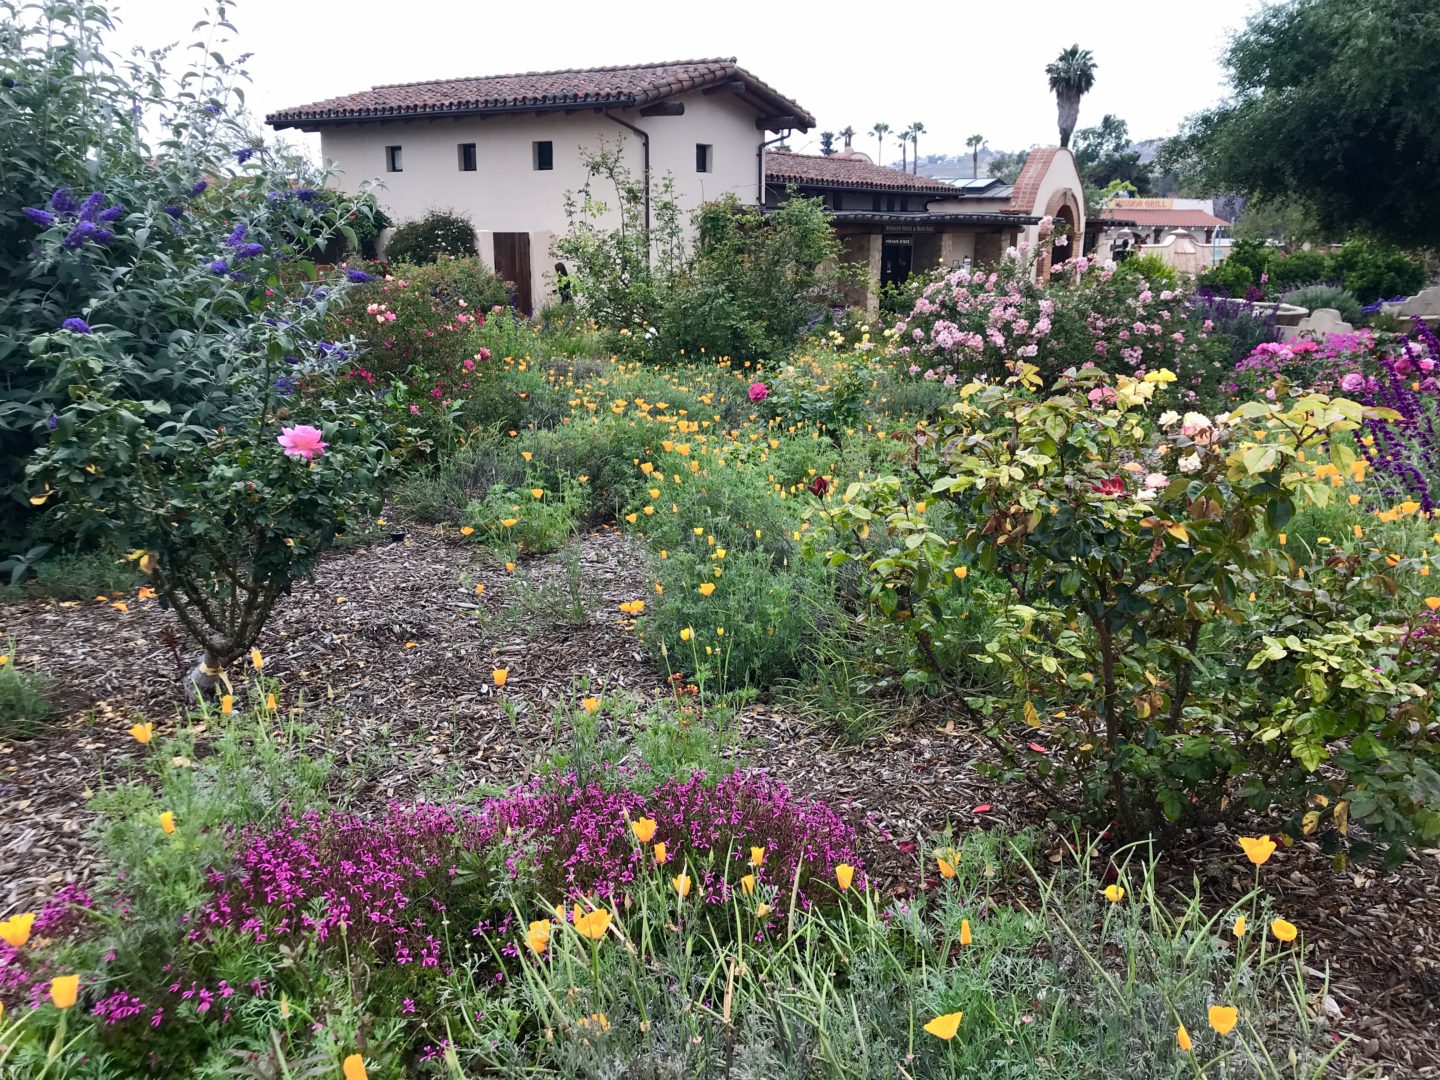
x=1069, y=113
x=203, y=679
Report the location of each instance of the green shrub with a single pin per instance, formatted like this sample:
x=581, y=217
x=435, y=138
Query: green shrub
x=511, y=521
x=1152, y=268
x=1315, y=297
x=438, y=235
x=1229, y=278
x=1298, y=268
x=1373, y=272
x=64, y=575
x=1124, y=669
x=24, y=707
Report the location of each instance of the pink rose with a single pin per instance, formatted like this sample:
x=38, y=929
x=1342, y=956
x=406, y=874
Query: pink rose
x=759, y=391
x=302, y=441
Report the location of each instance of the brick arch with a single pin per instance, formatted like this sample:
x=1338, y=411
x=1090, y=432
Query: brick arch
x=1064, y=207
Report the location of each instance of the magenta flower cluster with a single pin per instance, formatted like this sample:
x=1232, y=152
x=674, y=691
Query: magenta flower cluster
x=24, y=973
x=575, y=839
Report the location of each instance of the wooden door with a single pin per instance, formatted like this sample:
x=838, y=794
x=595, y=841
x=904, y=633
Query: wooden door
x=512, y=262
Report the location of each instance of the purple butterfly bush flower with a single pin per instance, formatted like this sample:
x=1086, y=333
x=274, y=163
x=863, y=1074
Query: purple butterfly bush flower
x=43, y=218
x=76, y=325
x=174, y=211
x=62, y=202
x=53, y=422
x=199, y=187
x=358, y=277
x=219, y=266
x=249, y=251
x=237, y=235
x=244, y=154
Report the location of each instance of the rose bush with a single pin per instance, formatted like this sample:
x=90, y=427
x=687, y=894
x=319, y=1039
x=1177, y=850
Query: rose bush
x=169, y=392
x=1110, y=597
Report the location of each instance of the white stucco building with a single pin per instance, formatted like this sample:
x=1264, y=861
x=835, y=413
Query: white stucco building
x=506, y=149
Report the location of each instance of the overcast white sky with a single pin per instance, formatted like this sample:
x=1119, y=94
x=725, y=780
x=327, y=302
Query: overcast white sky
x=960, y=67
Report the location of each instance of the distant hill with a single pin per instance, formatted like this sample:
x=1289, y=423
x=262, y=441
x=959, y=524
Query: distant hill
x=958, y=165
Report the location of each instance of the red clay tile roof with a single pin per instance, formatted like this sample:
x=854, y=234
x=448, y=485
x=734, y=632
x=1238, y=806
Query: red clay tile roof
x=1166, y=219
x=542, y=91
x=816, y=170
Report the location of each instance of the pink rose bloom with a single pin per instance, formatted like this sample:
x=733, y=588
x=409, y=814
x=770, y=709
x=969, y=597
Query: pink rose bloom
x=759, y=391
x=302, y=441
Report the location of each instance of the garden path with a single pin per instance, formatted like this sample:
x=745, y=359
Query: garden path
x=390, y=652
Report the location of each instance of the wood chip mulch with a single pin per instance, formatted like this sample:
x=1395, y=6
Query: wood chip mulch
x=394, y=647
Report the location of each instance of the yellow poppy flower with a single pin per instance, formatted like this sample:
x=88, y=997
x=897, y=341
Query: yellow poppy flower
x=660, y=856
x=142, y=733
x=509, y=523
x=945, y=1027
x=538, y=935
x=965, y=936
x=682, y=884
x=1114, y=893
x=763, y=910
x=1182, y=1039
x=757, y=856
x=962, y=572
x=467, y=530
x=686, y=634
x=707, y=588
x=64, y=989
x=1223, y=1018
x=354, y=1068
x=537, y=493
x=844, y=875
x=499, y=675
x=592, y=924
x=167, y=822
x=747, y=884
x=1239, y=926
x=271, y=703
x=644, y=829
x=1257, y=848
x=15, y=931
x=590, y=704
x=256, y=660
x=1284, y=930
x=1433, y=603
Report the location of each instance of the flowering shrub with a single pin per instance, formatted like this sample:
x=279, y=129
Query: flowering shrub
x=1400, y=374
x=176, y=393
x=1081, y=580
x=571, y=840
x=974, y=322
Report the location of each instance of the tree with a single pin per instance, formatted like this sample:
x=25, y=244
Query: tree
x=1007, y=166
x=904, y=138
x=1333, y=107
x=880, y=131
x=915, y=130
x=1072, y=76
x=827, y=143
x=1104, y=154
x=847, y=133
x=975, y=142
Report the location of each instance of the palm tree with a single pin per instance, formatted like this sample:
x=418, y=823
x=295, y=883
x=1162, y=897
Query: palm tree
x=847, y=133
x=903, y=136
x=1072, y=76
x=974, y=142
x=880, y=131
x=915, y=130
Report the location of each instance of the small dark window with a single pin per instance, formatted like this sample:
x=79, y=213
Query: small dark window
x=875, y=204
x=544, y=155
x=467, y=157
x=702, y=157
x=393, y=161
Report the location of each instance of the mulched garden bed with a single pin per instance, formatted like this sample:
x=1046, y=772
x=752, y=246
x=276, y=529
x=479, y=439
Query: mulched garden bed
x=392, y=644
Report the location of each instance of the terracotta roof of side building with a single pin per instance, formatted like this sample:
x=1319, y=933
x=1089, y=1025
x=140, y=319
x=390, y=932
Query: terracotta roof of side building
x=627, y=87
x=816, y=170
x=1176, y=219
